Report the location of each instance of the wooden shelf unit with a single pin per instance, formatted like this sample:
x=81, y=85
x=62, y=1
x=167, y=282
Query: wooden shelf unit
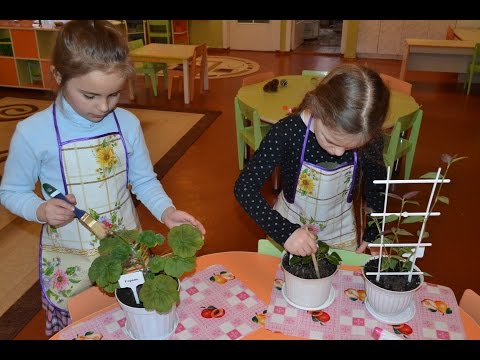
x=180, y=32
x=25, y=53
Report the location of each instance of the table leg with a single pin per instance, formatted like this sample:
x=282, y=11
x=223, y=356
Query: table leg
x=205, y=77
x=186, y=83
x=131, y=89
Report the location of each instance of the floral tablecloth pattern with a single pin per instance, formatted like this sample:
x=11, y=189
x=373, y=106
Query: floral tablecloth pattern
x=214, y=305
x=437, y=315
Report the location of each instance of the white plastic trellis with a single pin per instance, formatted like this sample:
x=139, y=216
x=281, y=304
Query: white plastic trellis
x=384, y=214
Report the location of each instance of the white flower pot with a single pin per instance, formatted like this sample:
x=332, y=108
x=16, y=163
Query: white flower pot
x=309, y=294
x=389, y=304
x=149, y=325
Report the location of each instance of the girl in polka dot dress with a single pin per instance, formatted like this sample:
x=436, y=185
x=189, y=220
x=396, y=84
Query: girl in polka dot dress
x=321, y=148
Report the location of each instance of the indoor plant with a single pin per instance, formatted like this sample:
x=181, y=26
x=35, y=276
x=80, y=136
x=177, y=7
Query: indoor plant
x=390, y=298
x=308, y=279
x=128, y=252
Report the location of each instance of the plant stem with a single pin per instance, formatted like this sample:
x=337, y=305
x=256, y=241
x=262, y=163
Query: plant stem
x=315, y=265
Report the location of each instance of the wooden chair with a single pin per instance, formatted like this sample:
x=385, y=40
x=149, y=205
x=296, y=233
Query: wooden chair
x=397, y=84
x=148, y=69
x=470, y=303
x=450, y=33
x=195, y=67
x=256, y=78
x=88, y=302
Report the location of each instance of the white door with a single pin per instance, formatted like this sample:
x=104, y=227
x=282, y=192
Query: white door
x=257, y=35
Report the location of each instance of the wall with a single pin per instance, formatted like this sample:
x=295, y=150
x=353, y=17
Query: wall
x=206, y=31
x=385, y=38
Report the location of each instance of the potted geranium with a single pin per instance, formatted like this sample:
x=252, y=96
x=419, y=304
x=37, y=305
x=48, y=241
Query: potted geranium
x=126, y=256
x=308, y=279
x=390, y=297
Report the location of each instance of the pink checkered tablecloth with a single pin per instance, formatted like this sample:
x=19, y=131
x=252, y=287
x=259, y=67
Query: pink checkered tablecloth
x=437, y=315
x=214, y=305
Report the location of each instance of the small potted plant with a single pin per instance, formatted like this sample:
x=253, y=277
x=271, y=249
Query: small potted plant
x=308, y=279
x=126, y=256
x=390, y=297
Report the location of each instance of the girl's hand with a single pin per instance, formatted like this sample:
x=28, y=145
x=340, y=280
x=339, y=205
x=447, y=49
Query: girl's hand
x=302, y=242
x=363, y=246
x=172, y=217
x=56, y=212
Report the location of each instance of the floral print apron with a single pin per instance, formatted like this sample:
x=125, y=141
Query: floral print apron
x=323, y=200
x=95, y=170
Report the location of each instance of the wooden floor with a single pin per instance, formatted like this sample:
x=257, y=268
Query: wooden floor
x=201, y=182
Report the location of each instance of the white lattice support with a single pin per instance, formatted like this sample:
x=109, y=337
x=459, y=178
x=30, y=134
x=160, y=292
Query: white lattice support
x=425, y=214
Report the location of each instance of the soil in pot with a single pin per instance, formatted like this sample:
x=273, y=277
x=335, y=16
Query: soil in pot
x=125, y=295
x=307, y=271
x=393, y=283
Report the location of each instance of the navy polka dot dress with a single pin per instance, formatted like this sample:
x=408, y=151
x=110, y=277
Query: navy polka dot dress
x=282, y=146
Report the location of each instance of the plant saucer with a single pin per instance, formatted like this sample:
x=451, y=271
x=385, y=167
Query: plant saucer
x=403, y=317
x=327, y=303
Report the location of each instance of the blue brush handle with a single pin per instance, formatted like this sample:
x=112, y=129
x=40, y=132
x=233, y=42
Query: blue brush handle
x=54, y=193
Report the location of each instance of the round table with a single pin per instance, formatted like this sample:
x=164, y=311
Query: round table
x=274, y=106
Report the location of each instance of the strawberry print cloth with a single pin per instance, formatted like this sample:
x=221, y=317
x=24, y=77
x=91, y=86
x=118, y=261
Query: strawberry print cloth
x=437, y=315
x=214, y=305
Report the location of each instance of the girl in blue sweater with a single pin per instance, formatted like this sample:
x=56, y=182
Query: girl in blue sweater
x=88, y=149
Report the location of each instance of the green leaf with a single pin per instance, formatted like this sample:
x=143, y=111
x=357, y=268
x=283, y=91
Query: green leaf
x=185, y=240
x=443, y=199
x=431, y=175
x=175, y=265
x=459, y=158
x=160, y=294
x=412, y=219
x=150, y=239
x=412, y=202
x=105, y=270
x=157, y=263
x=402, y=232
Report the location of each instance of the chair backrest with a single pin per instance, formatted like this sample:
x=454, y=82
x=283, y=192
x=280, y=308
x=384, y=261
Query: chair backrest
x=87, y=302
x=244, y=112
x=269, y=247
x=158, y=30
x=199, y=60
x=470, y=303
x=351, y=257
x=256, y=78
x=397, y=145
x=135, y=44
x=315, y=73
x=397, y=84
x=450, y=33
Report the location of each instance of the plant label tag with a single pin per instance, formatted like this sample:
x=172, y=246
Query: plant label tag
x=132, y=280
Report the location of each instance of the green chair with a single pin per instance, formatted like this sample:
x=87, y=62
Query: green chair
x=315, y=73
x=269, y=247
x=159, y=31
x=473, y=67
x=251, y=135
x=148, y=69
x=351, y=257
x=397, y=146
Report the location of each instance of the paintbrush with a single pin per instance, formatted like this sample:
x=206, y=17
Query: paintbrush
x=96, y=227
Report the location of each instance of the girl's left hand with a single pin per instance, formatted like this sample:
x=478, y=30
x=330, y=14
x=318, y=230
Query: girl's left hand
x=173, y=217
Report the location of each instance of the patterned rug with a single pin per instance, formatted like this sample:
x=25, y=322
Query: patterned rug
x=228, y=66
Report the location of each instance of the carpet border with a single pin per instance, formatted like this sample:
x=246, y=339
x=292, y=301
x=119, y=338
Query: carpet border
x=29, y=304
